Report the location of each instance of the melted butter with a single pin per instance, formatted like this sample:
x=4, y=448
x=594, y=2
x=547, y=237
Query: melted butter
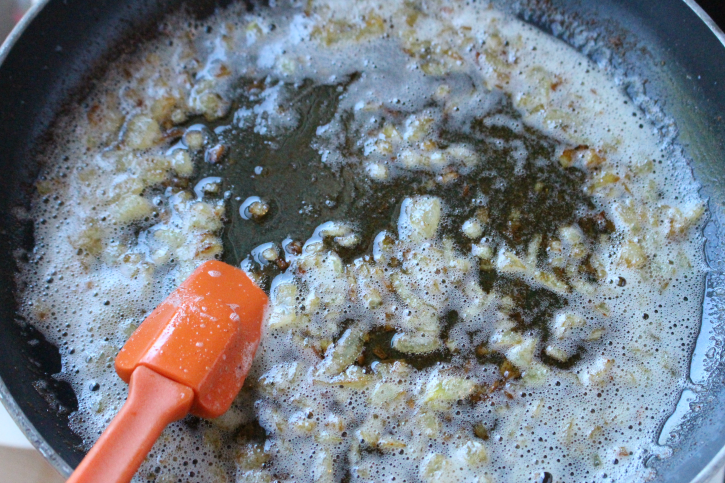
x=557, y=292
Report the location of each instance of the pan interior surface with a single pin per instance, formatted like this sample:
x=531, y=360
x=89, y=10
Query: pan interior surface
x=694, y=100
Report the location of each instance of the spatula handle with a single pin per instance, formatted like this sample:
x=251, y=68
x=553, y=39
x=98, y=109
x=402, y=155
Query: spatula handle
x=153, y=402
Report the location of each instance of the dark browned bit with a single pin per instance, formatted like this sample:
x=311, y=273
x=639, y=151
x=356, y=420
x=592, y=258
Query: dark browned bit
x=514, y=229
x=587, y=269
x=481, y=431
x=223, y=71
x=598, y=224
x=294, y=247
x=215, y=153
x=174, y=133
x=176, y=182
x=509, y=371
x=380, y=353
x=479, y=394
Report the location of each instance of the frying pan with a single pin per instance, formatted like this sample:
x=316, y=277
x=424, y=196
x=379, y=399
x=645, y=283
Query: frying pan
x=669, y=51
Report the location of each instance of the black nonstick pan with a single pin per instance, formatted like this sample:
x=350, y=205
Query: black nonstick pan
x=668, y=51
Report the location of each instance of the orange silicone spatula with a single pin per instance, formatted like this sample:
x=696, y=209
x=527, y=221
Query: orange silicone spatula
x=190, y=355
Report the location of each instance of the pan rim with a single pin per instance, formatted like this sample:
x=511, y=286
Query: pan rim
x=707, y=20
x=47, y=451
x=20, y=28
